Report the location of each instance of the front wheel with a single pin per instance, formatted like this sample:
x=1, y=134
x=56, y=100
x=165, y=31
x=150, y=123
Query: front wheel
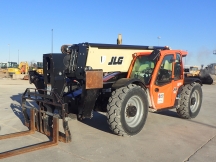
x=190, y=101
x=127, y=110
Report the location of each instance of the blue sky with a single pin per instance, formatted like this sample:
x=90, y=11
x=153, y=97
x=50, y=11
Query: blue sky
x=184, y=24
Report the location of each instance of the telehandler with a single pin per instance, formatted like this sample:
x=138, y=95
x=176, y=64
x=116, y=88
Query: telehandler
x=139, y=79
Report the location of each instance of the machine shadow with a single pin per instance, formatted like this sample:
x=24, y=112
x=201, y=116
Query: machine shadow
x=17, y=108
x=99, y=121
x=170, y=113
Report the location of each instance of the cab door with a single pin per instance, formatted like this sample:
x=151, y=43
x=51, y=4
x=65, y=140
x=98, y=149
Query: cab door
x=178, y=76
x=161, y=86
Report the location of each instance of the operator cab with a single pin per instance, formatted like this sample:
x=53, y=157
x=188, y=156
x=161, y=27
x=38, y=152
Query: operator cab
x=12, y=65
x=145, y=63
x=162, y=72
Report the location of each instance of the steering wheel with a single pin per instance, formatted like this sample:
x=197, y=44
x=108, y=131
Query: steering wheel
x=148, y=71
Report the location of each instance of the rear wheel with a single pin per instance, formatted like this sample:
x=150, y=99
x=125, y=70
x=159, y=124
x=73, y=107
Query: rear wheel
x=127, y=110
x=190, y=101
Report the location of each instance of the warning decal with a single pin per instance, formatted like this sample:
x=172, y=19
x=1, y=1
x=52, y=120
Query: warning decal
x=175, y=89
x=160, y=98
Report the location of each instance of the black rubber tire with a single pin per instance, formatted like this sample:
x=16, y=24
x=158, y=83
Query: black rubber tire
x=184, y=110
x=116, y=109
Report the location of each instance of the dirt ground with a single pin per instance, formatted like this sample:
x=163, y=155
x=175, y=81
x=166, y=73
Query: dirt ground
x=3, y=75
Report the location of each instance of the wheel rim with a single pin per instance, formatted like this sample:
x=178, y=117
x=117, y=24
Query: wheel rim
x=194, y=101
x=134, y=101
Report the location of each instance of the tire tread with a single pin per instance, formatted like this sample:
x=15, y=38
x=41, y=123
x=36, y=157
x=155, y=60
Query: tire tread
x=183, y=109
x=114, y=109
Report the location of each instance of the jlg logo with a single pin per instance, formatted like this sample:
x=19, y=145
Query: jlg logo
x=116, y=61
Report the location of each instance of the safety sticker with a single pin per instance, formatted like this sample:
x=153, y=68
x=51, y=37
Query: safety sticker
x=175, y=89
x=160, y=98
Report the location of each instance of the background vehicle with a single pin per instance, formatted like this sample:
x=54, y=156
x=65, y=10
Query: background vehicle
x=194, y=70
x=212, y=68
x=191, y=70
x=39, y=69
x=14, y=68
x=206, y=75
x=3, y=67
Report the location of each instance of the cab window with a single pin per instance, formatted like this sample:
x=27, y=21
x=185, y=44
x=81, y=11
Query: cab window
x=165, y=72
x=177, y=67
x=143, y=69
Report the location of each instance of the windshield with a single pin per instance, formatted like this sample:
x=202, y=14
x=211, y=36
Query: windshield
x=12, y=65
x=194, y=69
x=40, y=64
x=143, y=69
x=3, y=65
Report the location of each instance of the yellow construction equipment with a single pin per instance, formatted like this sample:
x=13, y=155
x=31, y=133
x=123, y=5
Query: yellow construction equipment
x=11, y=67
x=39, y=69
x=14, y=68
x=194, y=70
x=191, y=70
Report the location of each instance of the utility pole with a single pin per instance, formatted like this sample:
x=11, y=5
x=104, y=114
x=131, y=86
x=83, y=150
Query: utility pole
x=52, y=42
x=18, y=57
x=9, y=51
